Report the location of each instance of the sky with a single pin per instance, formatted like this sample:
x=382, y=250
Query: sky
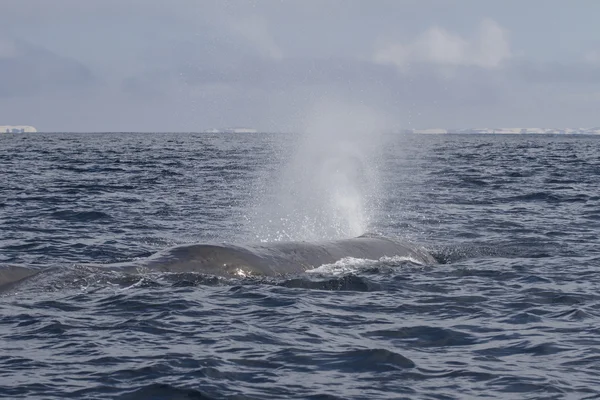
x=190, y=65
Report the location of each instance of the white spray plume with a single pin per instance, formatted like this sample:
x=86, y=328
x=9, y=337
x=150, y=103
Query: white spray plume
x=330, y=187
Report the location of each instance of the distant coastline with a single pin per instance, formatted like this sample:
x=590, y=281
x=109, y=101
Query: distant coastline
x=17, y=129
x=7, y=129
x=505, y=131
x=230, y=130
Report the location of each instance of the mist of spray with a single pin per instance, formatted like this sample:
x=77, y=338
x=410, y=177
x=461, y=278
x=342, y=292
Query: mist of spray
x=329, y=188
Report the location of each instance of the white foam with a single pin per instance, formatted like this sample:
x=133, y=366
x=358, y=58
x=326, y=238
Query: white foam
x=348, y=265
x=343, y=266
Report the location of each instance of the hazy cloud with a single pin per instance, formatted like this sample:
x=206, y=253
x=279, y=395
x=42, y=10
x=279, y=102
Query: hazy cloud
x=8, y=48
x=26, y=69
x=593, y=57
x=557, y=73
x=254, y=30
x=488, y=49
x=190, y=65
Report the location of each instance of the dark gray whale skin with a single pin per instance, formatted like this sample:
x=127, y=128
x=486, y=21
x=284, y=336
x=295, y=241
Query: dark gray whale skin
x=265, y=259
x=274, y=258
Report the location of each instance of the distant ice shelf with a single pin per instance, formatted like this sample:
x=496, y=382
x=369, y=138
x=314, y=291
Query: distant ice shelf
x=507, y=131
x=17, y=129
x=231, y=130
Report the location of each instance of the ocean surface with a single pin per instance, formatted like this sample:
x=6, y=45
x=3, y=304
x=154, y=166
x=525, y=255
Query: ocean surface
x=510, y=311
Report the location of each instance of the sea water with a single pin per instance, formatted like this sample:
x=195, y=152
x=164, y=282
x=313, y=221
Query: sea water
x=512, y=310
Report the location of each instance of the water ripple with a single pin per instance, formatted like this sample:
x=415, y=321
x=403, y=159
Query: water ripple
x=511, y=311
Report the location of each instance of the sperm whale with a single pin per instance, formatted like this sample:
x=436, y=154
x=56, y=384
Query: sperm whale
x=263, y=259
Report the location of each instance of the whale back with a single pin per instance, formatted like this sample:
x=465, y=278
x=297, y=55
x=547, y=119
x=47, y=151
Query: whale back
x=276, y=258
x=262, y=259
x=13, y=273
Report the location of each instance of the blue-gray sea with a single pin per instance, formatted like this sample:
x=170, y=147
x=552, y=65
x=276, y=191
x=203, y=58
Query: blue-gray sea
x=511, y=309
